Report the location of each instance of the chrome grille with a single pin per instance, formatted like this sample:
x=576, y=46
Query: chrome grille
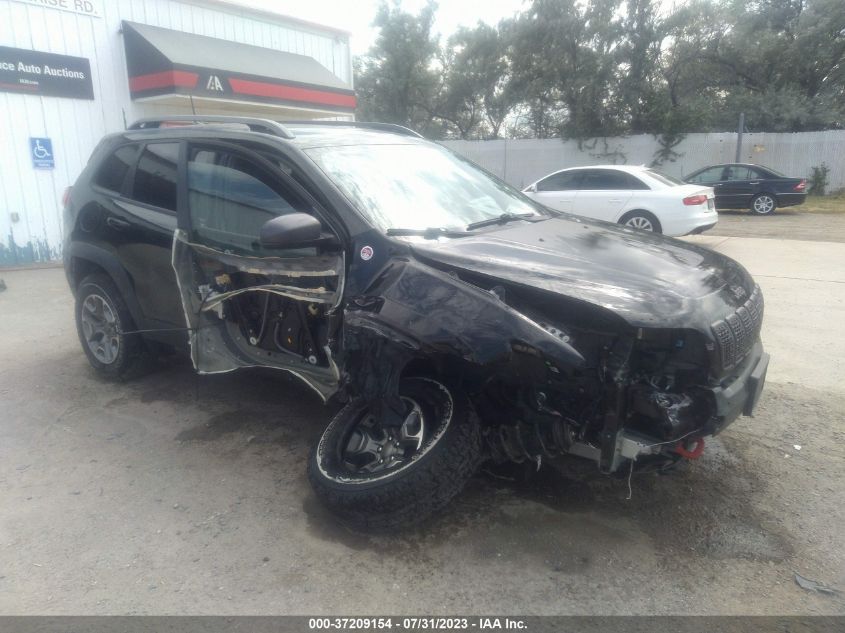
x=736, y=334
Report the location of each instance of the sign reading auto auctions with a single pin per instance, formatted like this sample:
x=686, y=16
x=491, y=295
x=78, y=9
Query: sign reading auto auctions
x=83, y=7
x=47, y=74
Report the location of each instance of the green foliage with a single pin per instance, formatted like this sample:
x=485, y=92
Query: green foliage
x=590, y=68
x=819, y=180
x=395, y=81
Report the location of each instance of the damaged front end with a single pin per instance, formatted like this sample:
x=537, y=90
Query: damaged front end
x=550, y=375
x=644, y=398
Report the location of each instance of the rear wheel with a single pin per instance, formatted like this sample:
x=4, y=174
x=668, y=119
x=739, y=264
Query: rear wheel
x=763, y=204
x=375, y=476
x=642, y=220
x=101, y=320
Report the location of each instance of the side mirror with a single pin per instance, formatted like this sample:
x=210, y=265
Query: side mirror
x=294, y=230
x=531, y=189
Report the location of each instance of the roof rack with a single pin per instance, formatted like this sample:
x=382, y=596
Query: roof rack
x=265, y=126
x=384, y=127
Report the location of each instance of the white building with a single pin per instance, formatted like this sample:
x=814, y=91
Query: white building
x=74, y=70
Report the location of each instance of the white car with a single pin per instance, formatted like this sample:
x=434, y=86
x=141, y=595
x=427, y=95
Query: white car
x=639, y=197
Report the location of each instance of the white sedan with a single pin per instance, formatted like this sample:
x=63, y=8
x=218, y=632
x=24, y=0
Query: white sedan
x=639, y=197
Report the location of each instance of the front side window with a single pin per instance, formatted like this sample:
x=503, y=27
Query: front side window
x=418, y=186
x=563, y=181
x=114, y=169
x=155, y=176
x=230, y=198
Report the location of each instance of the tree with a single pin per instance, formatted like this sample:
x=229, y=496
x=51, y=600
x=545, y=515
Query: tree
x=592, y=68
x=395, y=81
x=640, y=89
x=563, y=61
x=475, y=95
x=779, y=61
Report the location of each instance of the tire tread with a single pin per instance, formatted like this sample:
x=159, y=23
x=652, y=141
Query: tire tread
x=419, y=493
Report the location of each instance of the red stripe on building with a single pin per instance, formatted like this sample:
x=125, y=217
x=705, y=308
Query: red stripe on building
x=291, y=93
x=165, y=79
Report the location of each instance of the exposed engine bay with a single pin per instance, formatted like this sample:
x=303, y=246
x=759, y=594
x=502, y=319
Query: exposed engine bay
x=638, y=387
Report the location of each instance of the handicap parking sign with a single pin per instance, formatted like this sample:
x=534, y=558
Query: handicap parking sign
x=41, y=150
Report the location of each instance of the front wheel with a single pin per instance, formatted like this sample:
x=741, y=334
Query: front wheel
x=376, y=476
x=763, y=204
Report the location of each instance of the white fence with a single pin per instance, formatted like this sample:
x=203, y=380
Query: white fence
x=522, y=161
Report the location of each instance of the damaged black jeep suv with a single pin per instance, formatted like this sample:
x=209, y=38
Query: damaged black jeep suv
x=457, y=320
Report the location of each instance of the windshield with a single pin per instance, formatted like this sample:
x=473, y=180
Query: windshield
x=664, y=178
x=417, y=186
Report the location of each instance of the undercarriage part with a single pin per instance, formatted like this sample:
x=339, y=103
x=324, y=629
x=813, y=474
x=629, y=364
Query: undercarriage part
x=533, y=441
x=529, y=441
x=691, y=449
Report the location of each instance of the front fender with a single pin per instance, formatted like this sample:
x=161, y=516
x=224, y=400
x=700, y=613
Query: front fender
x=424, y=312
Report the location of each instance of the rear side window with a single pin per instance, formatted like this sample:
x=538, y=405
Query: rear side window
x=740, y=172
x=563, y=181
x=155, y=176
x=606, y=179
x=113, y=171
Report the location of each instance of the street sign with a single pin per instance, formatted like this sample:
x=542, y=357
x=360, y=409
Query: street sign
x=41, y=150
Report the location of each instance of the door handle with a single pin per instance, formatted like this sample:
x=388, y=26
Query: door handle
x=117, y=224
x=756, y=182
x=615, y=200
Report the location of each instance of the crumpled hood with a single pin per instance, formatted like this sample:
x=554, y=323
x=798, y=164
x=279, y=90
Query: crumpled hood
x=648, y=280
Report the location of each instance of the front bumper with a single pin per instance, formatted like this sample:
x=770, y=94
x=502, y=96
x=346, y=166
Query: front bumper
x=741, y=394
x=734, y=397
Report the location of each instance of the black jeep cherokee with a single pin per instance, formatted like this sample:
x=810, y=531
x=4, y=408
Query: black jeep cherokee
x=456, y=319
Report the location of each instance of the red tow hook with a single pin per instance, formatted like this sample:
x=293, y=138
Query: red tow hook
x=695, y=452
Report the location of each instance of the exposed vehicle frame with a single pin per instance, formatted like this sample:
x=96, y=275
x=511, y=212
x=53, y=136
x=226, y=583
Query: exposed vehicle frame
x=537, y=336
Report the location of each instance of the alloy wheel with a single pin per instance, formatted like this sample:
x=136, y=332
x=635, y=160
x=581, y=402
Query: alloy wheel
x=373, y=448
x=100, y=328
x=763, y=204
x=640, y=222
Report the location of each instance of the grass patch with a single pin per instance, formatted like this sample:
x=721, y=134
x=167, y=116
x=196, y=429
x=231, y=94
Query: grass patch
x=822, y=204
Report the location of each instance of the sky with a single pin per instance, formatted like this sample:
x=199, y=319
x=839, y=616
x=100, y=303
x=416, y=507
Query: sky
x=356, y=16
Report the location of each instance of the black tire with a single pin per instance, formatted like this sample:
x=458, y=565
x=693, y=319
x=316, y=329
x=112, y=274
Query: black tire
x=439, y=469
x=641, y=218
x=114, y=361
x=764, y=204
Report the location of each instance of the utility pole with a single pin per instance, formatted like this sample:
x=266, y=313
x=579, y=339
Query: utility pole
x=739, y=132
